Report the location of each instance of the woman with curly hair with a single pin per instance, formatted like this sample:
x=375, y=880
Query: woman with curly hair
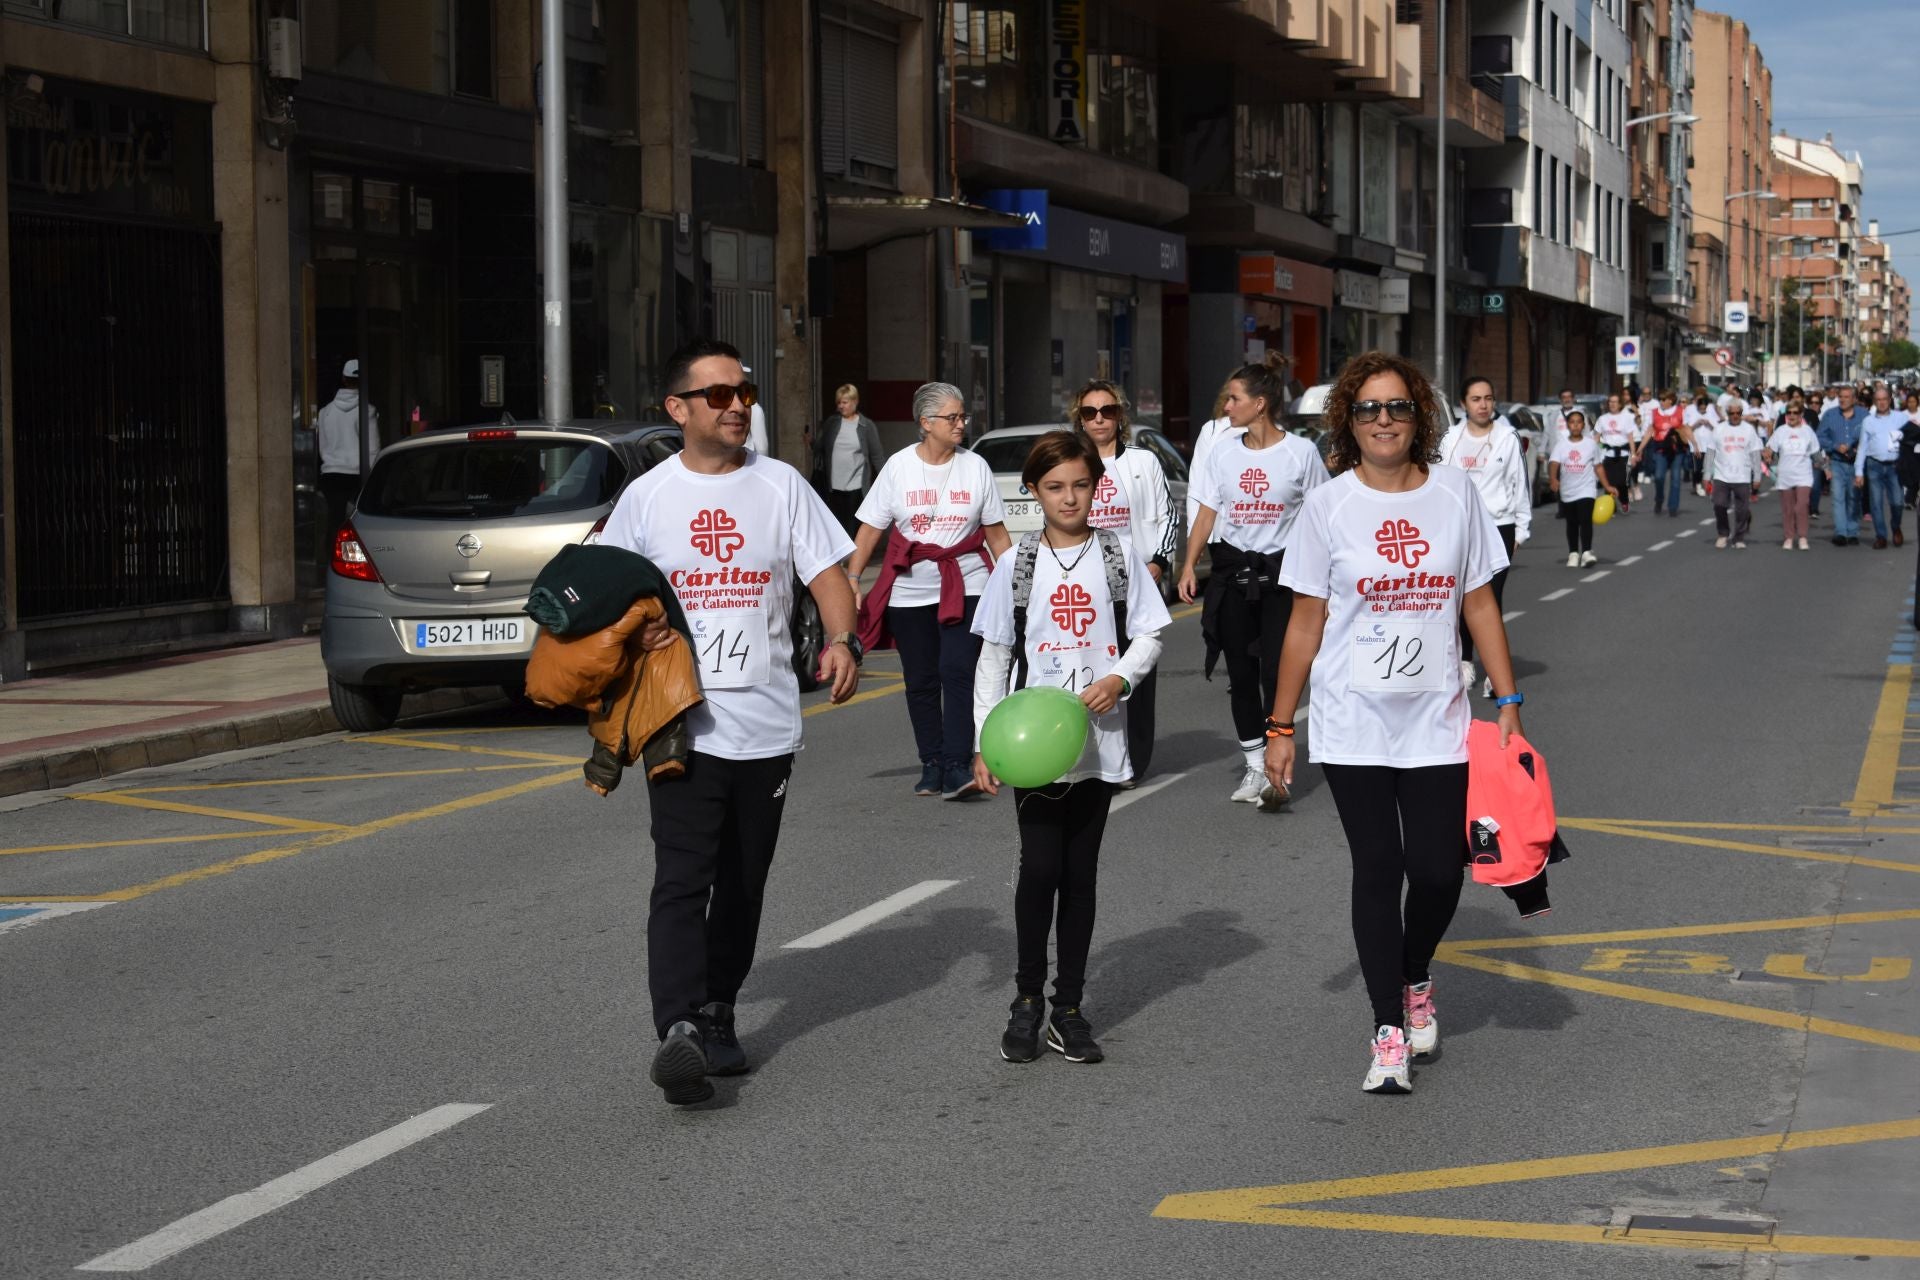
x=1250, y=491
x=1388, y=559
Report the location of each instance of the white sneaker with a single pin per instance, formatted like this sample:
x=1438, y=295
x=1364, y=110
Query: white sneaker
x=1804, y=546
x=1636, y=493
x=1588, y=559
x=1787, y=545
x=1252, y=783
x=1739, y=546
x=1388, y=1071
x=1719, y=544
x=1573, y=560
x=1423, y=1028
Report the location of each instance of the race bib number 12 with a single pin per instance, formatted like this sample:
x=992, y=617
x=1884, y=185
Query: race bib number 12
x=1399, y=657
x=730, y=649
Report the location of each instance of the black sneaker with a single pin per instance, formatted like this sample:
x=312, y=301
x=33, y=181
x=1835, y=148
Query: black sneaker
x=725, y=1057
x=1070, y=1035
x=929, y=784
x=957, y=782
x=680, y=1066
x=1021, y=1043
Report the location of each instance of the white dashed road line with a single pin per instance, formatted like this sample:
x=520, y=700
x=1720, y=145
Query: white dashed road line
x=847, y=926
x=1555, y=595
x=1662, y=546
x=1629, y=560
x=238, y=1210
x=1705, y=523
x=1126, y=798
x=1595, y=577
x=1511, y=614
x=1686, y=533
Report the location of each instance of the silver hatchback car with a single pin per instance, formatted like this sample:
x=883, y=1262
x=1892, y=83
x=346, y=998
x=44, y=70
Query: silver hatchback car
x=433, y=567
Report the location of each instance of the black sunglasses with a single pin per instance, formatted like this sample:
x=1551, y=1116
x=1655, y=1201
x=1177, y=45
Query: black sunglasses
x=719, y=396
x=1110, y=412
x=1369, y=410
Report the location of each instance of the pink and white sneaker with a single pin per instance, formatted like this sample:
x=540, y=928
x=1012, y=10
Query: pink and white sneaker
x=1389, y=1073
x=1423, y=1029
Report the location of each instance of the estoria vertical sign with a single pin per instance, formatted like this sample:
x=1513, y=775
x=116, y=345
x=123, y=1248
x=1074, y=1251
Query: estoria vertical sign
x=1067, y=39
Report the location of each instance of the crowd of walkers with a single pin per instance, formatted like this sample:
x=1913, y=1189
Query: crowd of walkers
x=1373, y=561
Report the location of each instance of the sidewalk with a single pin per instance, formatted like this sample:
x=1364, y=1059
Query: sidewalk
x=60, y=730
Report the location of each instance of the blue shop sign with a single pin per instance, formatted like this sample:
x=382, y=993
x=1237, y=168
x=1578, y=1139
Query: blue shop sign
x=1082, y=240
x=1031, y=204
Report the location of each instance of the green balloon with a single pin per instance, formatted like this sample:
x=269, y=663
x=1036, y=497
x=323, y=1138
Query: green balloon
x=1034, y=736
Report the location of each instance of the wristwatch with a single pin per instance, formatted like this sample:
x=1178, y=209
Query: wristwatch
x=852, y=642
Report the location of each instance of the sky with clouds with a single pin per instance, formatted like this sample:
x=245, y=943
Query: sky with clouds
x=1836, y=70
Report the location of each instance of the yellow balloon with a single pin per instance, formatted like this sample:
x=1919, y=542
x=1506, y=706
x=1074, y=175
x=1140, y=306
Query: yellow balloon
x=1603, y=509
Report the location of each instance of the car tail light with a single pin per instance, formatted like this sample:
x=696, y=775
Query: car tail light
x=593, y=535
x=350, y=559
x=492, y=433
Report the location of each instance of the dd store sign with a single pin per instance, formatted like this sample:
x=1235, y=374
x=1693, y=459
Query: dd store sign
x=1069, y=78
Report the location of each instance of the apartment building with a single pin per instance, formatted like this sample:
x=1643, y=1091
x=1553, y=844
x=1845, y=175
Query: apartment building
x=1660, y=215
x=1731, y=191
x=1816, y=224
x=1547, y=209
x=1883, y=299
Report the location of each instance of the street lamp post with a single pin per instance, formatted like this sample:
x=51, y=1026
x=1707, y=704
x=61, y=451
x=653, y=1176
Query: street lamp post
x=1759, y=193
x=1676, y=253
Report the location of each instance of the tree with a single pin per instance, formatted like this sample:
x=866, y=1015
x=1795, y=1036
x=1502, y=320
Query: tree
x=1799, y=329
x=1897, y=353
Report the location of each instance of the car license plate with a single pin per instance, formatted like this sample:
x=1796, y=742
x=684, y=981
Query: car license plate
x=468, y=633
x=1022, y=510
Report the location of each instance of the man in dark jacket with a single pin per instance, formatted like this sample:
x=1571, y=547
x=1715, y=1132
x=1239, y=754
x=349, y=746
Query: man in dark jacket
x=846, y=456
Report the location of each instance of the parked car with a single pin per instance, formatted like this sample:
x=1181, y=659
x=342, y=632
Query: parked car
x=433, y=567
x=1547, y=421
x=1533, y=449
x=1005, y=451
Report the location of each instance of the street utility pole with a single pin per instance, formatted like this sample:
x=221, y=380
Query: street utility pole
x=556, y=347
x=1440, y=199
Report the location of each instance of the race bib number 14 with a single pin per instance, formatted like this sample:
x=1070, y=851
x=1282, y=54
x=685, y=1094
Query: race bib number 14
x=730, y=649
x=1399, y=657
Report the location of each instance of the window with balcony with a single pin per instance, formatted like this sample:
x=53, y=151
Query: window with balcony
x=725, y=47
x=859, y=99
x=173, y=22
x=1539, y=43
x=1276, y=148
x=1539, y=192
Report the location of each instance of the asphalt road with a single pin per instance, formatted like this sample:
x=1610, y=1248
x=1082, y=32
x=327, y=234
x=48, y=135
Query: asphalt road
x=275, y=957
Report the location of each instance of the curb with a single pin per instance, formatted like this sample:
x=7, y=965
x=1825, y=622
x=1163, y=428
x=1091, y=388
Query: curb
x=66, y=768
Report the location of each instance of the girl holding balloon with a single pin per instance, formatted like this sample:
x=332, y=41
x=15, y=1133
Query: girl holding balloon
x=1071, y=621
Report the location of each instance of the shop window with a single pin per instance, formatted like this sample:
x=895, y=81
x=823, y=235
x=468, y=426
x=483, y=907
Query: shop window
x=174, y=22
x=999, y=61
x=724, y=50
x=405, y=43
x=333, y=202
x=380, y=206
x=859, y=95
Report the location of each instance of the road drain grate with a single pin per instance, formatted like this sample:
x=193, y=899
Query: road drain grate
x=1743, y=1228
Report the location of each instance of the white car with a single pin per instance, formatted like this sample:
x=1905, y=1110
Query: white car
x=1006, y=449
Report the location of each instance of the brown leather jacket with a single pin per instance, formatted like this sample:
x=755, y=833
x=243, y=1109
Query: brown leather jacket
x=636, y=702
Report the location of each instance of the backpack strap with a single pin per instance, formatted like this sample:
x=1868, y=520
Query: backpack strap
x=1113, y=557
x=1024, y=556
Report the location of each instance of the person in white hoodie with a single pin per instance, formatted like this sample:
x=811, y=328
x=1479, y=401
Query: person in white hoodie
x=1486, y=447
x=337, y=426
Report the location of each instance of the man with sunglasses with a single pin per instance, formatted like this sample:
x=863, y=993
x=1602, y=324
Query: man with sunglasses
x=732, y=529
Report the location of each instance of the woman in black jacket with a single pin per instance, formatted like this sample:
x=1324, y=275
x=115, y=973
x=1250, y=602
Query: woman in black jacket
x=846, y=456
x=1909, y=464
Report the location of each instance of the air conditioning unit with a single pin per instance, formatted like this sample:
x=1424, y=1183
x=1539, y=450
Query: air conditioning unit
x=283, y=48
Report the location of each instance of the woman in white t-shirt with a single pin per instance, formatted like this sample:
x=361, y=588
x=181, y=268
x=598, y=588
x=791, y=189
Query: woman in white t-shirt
x=1249, y=492
x=1077, y=629
x=1793, y=450
x=1387, y=560
x=949, y=526
x=1131, y=497
x=1575, y=473
x=1617, y=430
x=1702, y=416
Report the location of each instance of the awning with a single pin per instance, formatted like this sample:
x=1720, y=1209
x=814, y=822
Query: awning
x=853, y=222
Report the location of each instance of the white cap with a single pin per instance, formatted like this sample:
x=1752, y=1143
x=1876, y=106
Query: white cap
x=352, y=370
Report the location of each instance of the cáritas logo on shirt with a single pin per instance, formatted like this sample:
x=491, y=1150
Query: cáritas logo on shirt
x=716, y=534
x=1073, y=610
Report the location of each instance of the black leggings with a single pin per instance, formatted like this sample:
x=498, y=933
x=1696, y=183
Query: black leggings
x=1617, y=465
x=1251, y=634
x=1579, y=516
x=1060, y=830
x=1404, y=826
x=1499, y=585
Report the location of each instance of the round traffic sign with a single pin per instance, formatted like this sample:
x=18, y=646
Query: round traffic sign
x=1723, y=357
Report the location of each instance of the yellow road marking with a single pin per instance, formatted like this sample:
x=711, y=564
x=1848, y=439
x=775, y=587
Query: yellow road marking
x=865, y=695
x=328, y=777
x=427, y=744
x=203, y=811
x=1789, y=924
x=1880, y=766
x=1186, y=611
x=1785, y=1021
x=1879, y=969
x=262, y=834
x=1844, y=829
x=1268, y=1205
x=1771, y=850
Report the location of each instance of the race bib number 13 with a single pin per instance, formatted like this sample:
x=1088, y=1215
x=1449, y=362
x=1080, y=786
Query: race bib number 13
x=730, y=649
x=1399, y=657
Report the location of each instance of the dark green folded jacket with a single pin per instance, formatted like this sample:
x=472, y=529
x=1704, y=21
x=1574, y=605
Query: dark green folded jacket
x=587, y=589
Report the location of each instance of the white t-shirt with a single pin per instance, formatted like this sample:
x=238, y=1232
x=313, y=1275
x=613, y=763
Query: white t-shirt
x=1616, y=430
x=942, y=505
x=1693, y=416
x=1256, y=493
x=1703, y=437
x=1071, y=640
x=1736, y=454
x=1393, y=569
x=1578, y=460
x=732, y=546
x=757, y=429
x=1203, y=446
x=1793, y=450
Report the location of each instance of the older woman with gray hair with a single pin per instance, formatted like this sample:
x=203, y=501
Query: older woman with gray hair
x=948, y=526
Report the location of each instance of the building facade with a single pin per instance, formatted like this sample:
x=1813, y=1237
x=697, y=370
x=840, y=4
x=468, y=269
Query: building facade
x=1661, y=81
x=1728, y=251
x=1816, y=246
